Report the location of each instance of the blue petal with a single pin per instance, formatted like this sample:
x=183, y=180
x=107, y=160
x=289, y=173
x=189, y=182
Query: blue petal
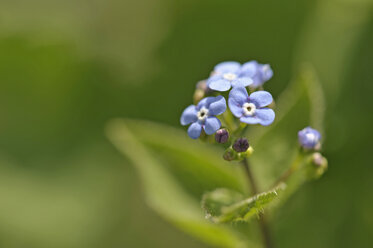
x=261, y=98
x=266, y=72
x=258, y=72
x=239, y=94
x=189, y=115
x=250, y=119
x=249, y=69
x=212, y=124
x=218, y=106
x=257, y=80
x=226, y=67
x=265, y=115
x=219, y=85
x=214, y=78
x=194, y=130
x=237, y=97
x=242, y=82
x=203, y=102
x=235, y=107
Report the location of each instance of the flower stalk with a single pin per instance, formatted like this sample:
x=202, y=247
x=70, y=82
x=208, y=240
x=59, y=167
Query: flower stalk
x=254, y=190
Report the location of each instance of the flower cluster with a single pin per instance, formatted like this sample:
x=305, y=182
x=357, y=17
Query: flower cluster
x=247, y=108
x=248, y=104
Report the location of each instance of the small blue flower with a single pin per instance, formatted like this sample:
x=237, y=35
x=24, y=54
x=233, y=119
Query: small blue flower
x=251, y=109
x=203, y=116
x=259, y=73
x=309, y=138
x=227, y=75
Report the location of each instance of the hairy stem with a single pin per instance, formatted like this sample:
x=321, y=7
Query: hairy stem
x=262, y=220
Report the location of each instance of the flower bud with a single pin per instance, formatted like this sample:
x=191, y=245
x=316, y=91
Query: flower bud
x=198, y=95
x=246, y=154
x=309, y=138
x=201, y=85
x=319, y=160
x=230, y=154
x=318, y=165
x=241, y=145
x=222, y=136
x=201, y=91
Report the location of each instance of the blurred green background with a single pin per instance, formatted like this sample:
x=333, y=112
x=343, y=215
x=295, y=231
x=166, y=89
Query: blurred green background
x=67, y=67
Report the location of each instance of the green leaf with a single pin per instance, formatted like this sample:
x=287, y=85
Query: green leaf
x=301, y=104
x=224, y=205
x=164, y=192
x=196, y=166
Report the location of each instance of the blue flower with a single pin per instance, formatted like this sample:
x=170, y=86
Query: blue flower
x=227, y=75
x=309, y=138
x=203, y=116
x=251, y=109
x=259, y=73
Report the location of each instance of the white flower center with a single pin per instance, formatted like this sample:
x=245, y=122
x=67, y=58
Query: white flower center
x=229, y=76
x=249, y=109
x=202, y=114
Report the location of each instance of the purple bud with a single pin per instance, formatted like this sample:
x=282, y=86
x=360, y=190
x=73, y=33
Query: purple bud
x=241, y=145
x=309, y=138
x=229, y=155
x=222, y=135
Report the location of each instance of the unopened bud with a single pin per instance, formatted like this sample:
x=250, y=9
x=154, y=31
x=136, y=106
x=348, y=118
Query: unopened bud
x=198, y=95
x=222, y=135
x=246, y=154
x=230, y=154
x=202, y=85
x=201, y=91
x=309, y=138
x=241, y=145
x=319, y=164
x=319, y=160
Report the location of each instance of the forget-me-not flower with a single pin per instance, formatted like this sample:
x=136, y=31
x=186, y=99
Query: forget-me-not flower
x=309, y=138
x=227, y=75
x=259, y=73
x=203, y=116
x=251, y=109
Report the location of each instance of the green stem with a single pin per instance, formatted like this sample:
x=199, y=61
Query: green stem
x=293, y=167
x=262, y=220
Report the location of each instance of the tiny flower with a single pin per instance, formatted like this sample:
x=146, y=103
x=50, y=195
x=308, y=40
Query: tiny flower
x=259, y=73
x=203, y=116
x=251, y=109
x=222, y=136
x=227, y=75
x=241, y=145
x=309, y=138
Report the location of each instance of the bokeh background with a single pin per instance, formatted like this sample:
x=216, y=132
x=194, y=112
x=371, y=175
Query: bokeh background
x=67, y=67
